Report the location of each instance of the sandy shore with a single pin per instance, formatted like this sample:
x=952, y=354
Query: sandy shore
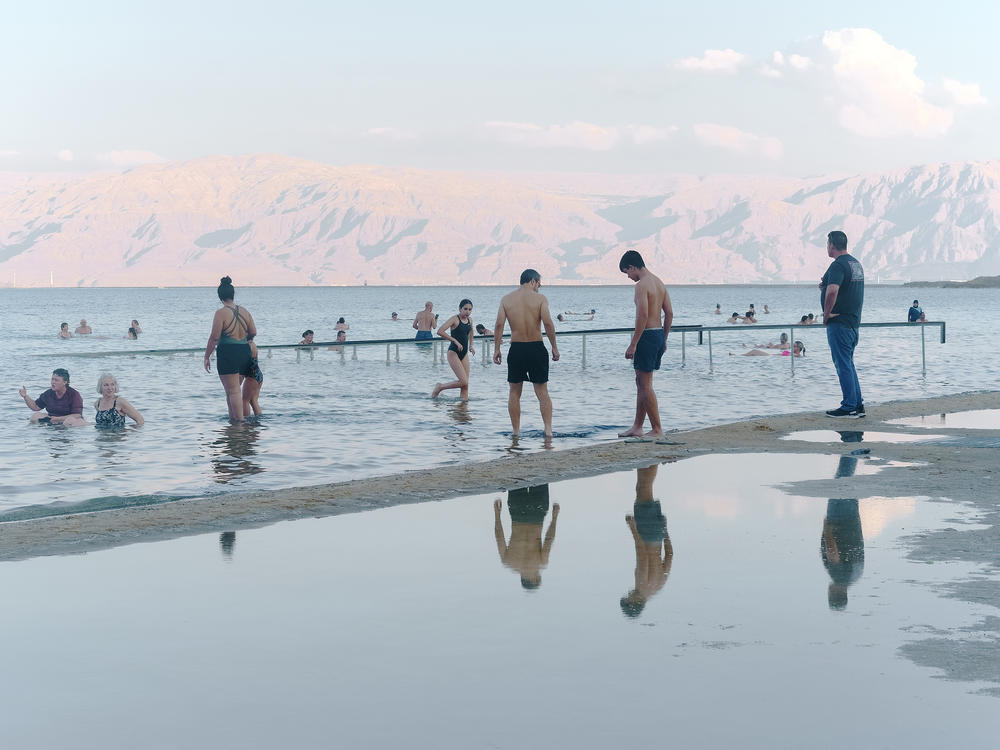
x=961, y=468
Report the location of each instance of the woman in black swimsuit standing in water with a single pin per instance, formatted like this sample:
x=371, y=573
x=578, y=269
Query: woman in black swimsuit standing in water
x=232, y=326
x=458, y=330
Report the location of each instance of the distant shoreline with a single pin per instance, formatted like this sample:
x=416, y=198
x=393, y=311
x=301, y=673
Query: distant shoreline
x=980, y=282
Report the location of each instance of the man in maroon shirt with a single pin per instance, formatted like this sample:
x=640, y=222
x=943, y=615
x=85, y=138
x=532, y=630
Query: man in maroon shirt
x=60, y=403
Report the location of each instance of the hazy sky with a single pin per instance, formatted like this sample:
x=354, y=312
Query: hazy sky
x=773, y=87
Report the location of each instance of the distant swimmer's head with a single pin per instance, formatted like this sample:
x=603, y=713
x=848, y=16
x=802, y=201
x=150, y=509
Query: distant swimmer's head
x=784, y=338
x=804, y=319
x=132, y=334
x=341, y=335
x=341, y=320
x=632, y=605
x=836, y=241
x=428, y=306
x=395, y=316
x=916, y=303
x=64, y=326
x=83, y=321
x=226, y=290
x=110, y=380
x=465, y=306
x=559, y=317
x=480, y=328
x=812, y=317
x=631, y=264
x=135, y=323
x=307, y=332
x=798, y=348
x=63, y=377
x=529, y=275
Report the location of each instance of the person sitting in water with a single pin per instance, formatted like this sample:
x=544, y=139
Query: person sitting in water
x=916, y=314
x=718, y=308
x=804, y=320
x=83, y=329
x=735, y=318
x=307, y=337
x=58, y=405
x=112, y=408
x=341, y=325
x=395, y=317
x=64, y=331
x=750, y=317
x=798, y=350
x=782, y=343
x=136, y=326
x=132, y=334
x=812, y=319
x=482, y=330
x=766, y=310
x=424, y=321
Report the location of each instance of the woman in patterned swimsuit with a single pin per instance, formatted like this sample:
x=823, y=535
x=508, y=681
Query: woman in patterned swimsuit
x=112, y=408
x=232, y=327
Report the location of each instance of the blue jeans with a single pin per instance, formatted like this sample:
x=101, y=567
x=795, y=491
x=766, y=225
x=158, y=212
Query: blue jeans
x=842, y=340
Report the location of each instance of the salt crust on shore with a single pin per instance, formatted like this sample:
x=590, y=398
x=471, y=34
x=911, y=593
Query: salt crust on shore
x=964, y=469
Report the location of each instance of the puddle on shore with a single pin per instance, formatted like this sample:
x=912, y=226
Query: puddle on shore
x=556, y=615
x=859, y=436
x=981, y=419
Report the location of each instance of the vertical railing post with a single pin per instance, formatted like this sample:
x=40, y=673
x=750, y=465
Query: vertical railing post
x=709, y=351
x=583, y=364
x=683, y=349
x=397, y=352
x=791, y=343
x=388, y=354
x=354, y=352
x=923, y=350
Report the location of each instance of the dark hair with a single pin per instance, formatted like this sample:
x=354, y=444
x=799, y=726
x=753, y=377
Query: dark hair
x=916, y=302
x=735, y=315
x=631, y=258
x=63, y=325
x=465, y=302
x=811, y=316
x=804, y=317
x=838, y=239
x=306, y=332
x=801, y=346
x=395, y=313
x=226, y=290
x=341, y=320
x=480, y=328
x=63, y=373
x=132, y=333
x=530, y=274
x=631, y=607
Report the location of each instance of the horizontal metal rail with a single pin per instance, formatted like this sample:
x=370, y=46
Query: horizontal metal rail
x=439, y=354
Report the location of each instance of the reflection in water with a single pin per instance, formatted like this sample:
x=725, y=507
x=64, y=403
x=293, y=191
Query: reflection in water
x=649, y=532
x=227, y=542
x=851, y=436
x=526, y=553
x=233, y=451
x=842, y=544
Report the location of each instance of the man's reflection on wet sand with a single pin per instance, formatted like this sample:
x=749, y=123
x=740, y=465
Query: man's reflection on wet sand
x=649, y=532
x=233, y=451
x=526, y=552
x=227, y=543
x=842, y=544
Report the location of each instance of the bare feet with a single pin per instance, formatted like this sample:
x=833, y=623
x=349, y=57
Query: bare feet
x=436, y=391
x=631, y=432
x=654, y=434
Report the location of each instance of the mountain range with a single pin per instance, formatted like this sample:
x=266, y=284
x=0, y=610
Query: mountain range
x=277, y=220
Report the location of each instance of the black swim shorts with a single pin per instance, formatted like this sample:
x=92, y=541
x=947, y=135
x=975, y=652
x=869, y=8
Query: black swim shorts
x=527, y=360
x=649, y=351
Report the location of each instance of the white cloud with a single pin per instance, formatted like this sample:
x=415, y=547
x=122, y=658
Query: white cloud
x=393, y=134
x=881, y=95
x=714, y=61
x=799, y=62
x=963, y=94
x=6, y=153
x=576, y=135
x=737, y=141
x=64, y=155
x=131, y=158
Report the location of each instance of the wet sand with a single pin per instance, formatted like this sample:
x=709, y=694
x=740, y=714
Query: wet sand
x=962, y=467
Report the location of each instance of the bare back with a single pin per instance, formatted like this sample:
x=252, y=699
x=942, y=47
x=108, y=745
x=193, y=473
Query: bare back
x=651, y=301
x=424, y=321
x=526, y=310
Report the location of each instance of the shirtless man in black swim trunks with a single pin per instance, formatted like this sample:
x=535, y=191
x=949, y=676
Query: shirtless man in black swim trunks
x=649, y=341
x=527, y=311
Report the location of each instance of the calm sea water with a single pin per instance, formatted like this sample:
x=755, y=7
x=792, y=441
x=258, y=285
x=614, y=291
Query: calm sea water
x=331, y=417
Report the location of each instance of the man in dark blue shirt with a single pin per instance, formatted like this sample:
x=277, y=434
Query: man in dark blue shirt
x=842, y=296
x=915, y=315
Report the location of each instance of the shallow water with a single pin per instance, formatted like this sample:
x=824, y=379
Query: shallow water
x=406, y=627
x=331, y=417
x=980, y=419
x=859, y=436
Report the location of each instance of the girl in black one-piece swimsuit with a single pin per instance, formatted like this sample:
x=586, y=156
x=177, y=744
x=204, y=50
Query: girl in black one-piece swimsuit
x=458, y=330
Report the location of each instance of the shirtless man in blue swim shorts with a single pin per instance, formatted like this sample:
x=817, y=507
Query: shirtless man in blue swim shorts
x=527, y=311
x=649, y=341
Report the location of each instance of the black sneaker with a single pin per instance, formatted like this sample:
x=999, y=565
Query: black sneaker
x=859, y=412
x=843, y=413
